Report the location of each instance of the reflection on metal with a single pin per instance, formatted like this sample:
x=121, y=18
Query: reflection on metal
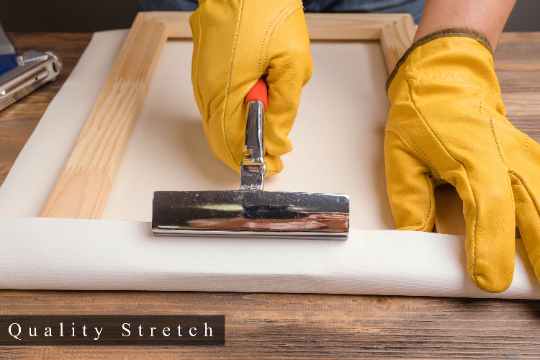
x=32, y=70
x=253, y=168
x=250, y=211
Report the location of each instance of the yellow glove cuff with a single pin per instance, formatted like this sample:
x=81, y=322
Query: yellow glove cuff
x=454, y=32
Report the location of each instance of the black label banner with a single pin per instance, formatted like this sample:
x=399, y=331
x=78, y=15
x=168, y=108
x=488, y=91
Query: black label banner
x=103, y=330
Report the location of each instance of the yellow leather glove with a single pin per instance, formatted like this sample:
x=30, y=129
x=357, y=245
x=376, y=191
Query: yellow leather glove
x=235, y=43
x=448, y=123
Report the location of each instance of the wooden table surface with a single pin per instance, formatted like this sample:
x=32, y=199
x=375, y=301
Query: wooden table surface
x=287, y=325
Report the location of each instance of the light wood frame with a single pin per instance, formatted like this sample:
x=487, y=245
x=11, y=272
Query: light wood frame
x=84, y=185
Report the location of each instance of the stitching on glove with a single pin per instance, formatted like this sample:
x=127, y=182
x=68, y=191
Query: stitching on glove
x=439, y=34
x=431, y=190
x=531, y=200
x=496, y=137
x=527, y=190
x=272, y=34
x=431, y=195
x=524, y=201
x=432, y=132
x=265, y=34
x=291, y=11
x=283, y=22
x=473, y=240
x=494, y=130
x=482, y=103
x=416, y=148
x=482, y=109
x=446, y=77
x=454, y=78
x=229, y=84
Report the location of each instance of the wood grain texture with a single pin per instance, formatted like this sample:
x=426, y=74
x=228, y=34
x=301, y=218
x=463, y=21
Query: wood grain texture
x=449, y=217
x=396, y=38
x=176, y=23
x=260, y=326
x=296, y=326
x=83, y=187
x=321, y=26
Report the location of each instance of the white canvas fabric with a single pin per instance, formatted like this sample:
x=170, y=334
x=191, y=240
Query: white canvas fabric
x=337, y=142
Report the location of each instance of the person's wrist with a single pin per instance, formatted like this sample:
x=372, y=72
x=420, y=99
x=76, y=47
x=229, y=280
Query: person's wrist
x=487, y=17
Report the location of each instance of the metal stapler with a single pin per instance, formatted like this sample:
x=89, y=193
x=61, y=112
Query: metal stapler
x=21, y=74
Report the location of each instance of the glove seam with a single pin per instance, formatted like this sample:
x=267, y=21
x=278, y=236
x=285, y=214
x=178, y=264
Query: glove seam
x=525, y=187
x=265, y=34
x=452, y=32
x=229, y=84
x=493, y=127
x=523, y=184
x=534, y=204
x=431, y=190
x=482, y=111
x=431, y=195
x=497, y=142
x=417, y=150
x=474, y=277
x=273, y=36
x=496, y=138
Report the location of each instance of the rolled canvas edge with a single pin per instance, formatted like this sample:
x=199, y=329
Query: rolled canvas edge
x=125, y=255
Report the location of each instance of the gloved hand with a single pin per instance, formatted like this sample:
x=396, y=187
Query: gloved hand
x=235, y=43
x=447, y=123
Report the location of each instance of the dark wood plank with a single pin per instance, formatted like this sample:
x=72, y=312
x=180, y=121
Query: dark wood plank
x=18, y=121
x=301, y=326
x=308, y=326
x=517, y=63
